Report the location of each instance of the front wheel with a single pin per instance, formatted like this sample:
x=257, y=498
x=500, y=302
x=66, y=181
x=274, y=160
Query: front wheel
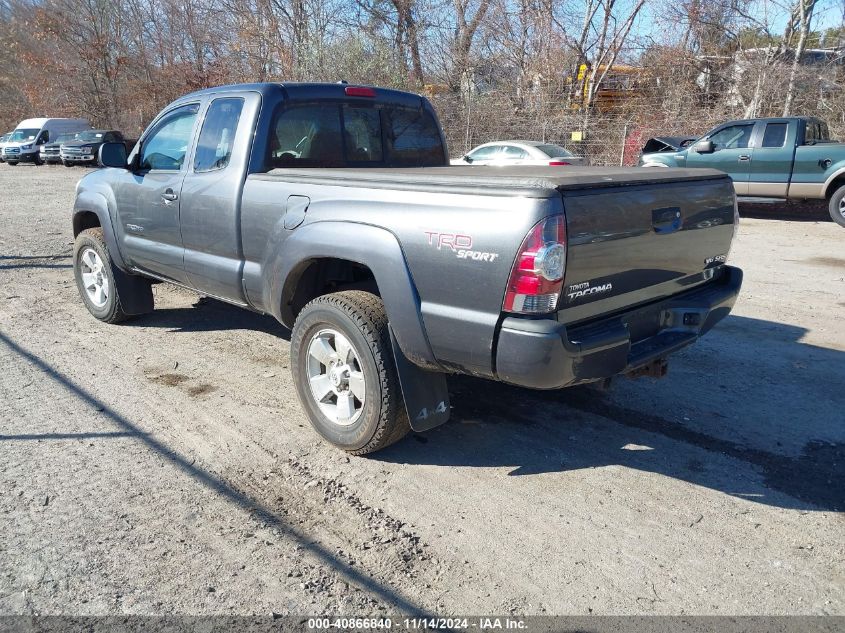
x=92, y=269
x=836, y=206
x=12, y=162
x=344, y=372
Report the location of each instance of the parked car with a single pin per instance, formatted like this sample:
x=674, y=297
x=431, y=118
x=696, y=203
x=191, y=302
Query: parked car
x=3, y=139
x=789, y=158
x=24, y=146
x=84, y=148
x=519, y=153
x=394, y=269
x=51, y=152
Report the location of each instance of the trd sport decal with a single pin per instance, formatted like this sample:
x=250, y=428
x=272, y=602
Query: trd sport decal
x=459, y=244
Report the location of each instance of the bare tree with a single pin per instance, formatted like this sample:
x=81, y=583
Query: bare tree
x=804, y=11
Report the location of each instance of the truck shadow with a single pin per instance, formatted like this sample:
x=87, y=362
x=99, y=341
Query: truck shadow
x=495, y=425
x=804, y=211
x=757, y=378
x=394, y=597
x=11, y=262
x=210, y=315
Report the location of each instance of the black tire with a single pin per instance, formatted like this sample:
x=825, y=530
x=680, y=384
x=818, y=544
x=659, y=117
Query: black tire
x=111, y=311
x=836, y=206
x=360, y=317
x=67, y=163
x=11, y=162
x=37, y=161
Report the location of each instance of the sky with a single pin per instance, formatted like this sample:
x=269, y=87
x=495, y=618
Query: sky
x=827, y=14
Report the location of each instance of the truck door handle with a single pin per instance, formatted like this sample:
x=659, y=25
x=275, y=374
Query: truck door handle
x=744, y=157
x=169, y=196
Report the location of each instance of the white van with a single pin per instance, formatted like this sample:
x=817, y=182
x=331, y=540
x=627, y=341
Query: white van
x=3, y=140
x=25, y=143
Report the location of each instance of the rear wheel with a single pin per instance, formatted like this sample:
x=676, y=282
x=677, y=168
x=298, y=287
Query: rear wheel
x=345, y=375
x=92, y=269
x=836, y=206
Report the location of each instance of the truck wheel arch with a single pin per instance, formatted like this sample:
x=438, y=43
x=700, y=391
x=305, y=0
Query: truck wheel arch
x=91, y=211
x=374, y=251
x=85, y=220
x=833, y=183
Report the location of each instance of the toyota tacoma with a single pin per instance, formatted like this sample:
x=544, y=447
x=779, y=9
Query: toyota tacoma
x=333, y=208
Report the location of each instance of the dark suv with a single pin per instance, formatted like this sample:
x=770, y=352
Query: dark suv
x=83, y=149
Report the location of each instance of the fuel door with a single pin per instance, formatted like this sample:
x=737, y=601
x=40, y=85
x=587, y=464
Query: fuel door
x=295, y=211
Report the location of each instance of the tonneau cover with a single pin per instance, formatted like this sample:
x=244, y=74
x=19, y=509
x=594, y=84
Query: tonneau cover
x=521, y=180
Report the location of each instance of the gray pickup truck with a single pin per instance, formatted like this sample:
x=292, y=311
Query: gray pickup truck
x=332, y=207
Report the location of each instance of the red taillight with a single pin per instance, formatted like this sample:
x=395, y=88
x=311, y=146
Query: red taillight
x=358, y=91
x=558, y=163
x=537, y=275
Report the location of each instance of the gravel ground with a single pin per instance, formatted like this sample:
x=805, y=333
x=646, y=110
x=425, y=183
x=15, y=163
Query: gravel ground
x=166, y=466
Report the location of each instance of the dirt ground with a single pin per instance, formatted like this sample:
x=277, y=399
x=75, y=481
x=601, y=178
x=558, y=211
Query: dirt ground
x=165, y=465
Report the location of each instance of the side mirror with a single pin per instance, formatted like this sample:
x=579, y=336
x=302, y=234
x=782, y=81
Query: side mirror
x=703, y=147
x=112, y=155
x=467, y=159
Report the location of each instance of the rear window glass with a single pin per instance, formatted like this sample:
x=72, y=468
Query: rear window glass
x=775, y=135
x=340, y=135
x=554, y=151
x=362, y=135
x=414, y=139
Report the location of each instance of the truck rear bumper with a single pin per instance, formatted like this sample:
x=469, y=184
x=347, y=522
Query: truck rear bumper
x=545, y=354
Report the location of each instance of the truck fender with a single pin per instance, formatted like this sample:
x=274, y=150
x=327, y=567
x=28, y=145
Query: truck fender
x=135, y=292
x=836, y=171
x=96, y=203
x=370, y=246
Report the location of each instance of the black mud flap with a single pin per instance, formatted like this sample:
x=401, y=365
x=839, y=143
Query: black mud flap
x=135, y=292
x=425, y=392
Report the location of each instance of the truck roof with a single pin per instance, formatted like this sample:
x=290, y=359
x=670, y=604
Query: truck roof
x=774, y=119
x=310, y=90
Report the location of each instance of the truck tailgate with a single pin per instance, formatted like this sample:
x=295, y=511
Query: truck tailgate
x=635, y=244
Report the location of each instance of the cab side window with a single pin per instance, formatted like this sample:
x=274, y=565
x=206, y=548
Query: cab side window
x=732, y=137
x=485, y=153
x=514, y=153
x=214, y=147
x=167, y=144
x=775, y=135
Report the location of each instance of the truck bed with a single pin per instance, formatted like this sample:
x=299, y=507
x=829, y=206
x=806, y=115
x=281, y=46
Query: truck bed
x=524, y=181
x=634, y=235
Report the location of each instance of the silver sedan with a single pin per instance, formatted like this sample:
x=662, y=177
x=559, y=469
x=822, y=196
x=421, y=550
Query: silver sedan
x=519, y=153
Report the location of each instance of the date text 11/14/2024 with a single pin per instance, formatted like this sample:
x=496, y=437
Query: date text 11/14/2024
x=417, y=624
